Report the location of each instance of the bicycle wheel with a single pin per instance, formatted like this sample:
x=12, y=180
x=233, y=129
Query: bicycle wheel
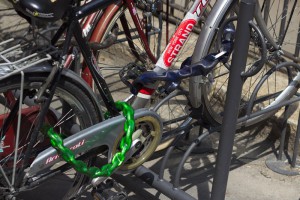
x=277, y=80
x=121, y=42
x=174, y=110
x=71, y=110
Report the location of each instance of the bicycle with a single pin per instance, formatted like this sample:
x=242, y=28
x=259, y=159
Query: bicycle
x=106, y=99
x=78, y=109
x=270, y=47
x=105, y=30
x=209, y=92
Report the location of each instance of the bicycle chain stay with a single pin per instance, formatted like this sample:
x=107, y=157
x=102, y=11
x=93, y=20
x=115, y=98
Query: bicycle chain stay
x=118, y=159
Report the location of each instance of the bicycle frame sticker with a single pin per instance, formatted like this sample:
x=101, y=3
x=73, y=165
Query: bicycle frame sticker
x=2, y=145
x=181, y=34
x=178, y=41
x=76, y=146
x=200, y=7
x=179, y=38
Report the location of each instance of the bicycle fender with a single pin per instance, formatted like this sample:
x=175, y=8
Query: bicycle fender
x=43, y=68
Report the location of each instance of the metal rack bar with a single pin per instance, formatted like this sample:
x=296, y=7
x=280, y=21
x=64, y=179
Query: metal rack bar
x=296, y=145
x=162, y=185
x=233, y=99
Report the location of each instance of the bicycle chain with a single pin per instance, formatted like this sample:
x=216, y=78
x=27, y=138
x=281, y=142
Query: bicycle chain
x=118, y=158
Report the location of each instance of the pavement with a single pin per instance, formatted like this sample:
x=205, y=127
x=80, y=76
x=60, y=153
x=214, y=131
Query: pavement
x=249, y=177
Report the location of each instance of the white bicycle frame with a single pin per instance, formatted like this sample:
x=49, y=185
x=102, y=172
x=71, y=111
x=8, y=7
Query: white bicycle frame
x=177, y=41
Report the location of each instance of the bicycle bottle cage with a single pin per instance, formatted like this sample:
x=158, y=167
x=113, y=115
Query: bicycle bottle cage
x=49, y=10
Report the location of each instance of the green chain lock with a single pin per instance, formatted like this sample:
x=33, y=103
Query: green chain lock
x=106, y=170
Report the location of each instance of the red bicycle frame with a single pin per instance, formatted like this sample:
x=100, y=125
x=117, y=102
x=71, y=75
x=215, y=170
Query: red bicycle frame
x=104, y=21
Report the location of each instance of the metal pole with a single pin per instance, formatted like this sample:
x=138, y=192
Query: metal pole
x=283, y=20
x=233, y=96
x=266, y=11
x=283, y=133
x=296, y=144
x=161, y=185
x=297, y=49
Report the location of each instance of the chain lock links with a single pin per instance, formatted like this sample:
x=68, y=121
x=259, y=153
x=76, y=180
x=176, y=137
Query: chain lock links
x=118, y=158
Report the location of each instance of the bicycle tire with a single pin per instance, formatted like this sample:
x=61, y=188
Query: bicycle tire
x=213, y=92
x=72, y=109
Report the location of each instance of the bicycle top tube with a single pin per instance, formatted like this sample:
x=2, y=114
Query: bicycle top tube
x=91, y=7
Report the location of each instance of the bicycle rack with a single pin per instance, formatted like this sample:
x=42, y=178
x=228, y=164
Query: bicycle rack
x=280, y=163
x=227, y=130
x=158, y=182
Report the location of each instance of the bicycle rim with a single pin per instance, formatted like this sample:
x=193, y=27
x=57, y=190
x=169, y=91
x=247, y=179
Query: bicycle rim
x=214, y=91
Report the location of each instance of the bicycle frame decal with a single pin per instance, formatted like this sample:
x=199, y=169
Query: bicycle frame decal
x=2, y=145
x=178, y=41
x=200, y=7
x=76, y=146
x=181, y=34
x=87, y=26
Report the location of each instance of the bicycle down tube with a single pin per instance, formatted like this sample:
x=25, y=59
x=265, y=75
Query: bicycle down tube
x=173, y=48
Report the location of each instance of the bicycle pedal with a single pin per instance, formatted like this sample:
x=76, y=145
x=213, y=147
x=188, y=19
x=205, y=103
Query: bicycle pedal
x=109, y=190
x=130, y=72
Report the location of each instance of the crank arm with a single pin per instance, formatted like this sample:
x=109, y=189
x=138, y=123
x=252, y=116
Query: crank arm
x=106, y=133
x=129, y=154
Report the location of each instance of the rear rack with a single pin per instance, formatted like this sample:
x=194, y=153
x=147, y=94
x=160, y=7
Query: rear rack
x=16, y=56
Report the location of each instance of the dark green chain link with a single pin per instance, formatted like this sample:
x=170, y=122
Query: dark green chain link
x=106, y=170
